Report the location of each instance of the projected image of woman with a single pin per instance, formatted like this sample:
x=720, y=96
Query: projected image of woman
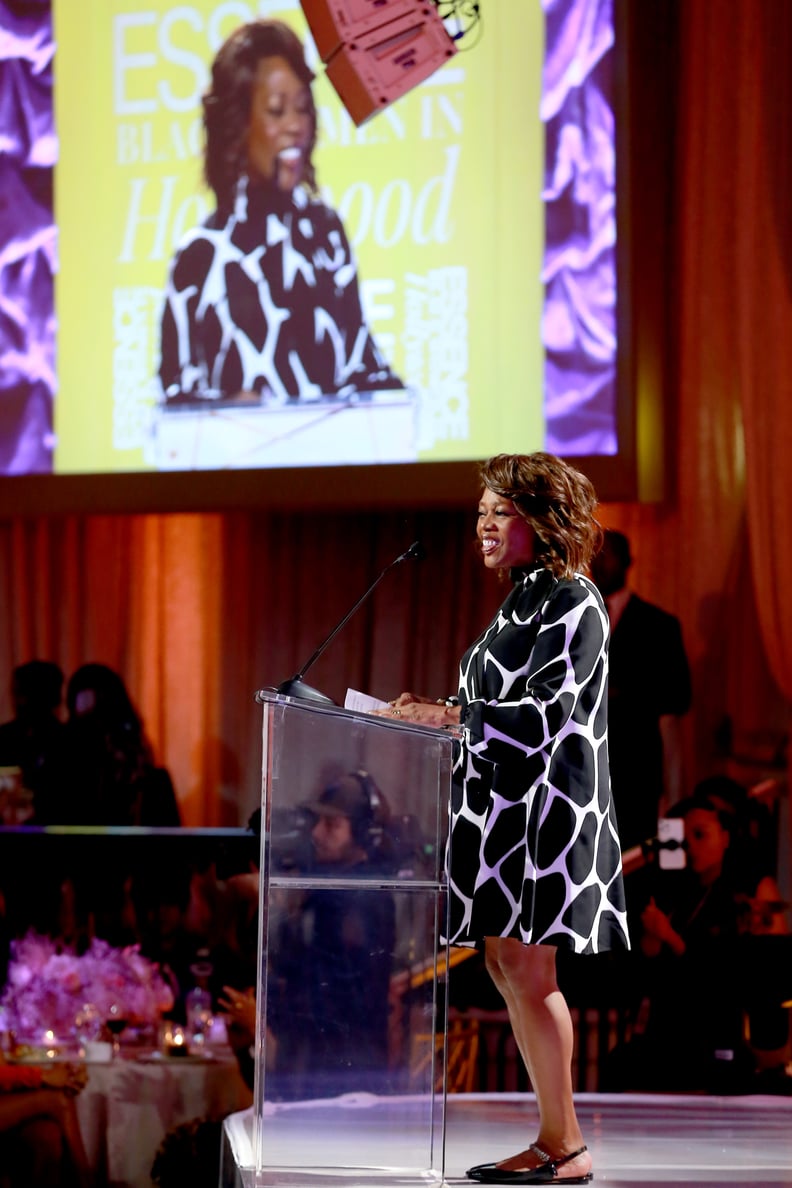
x=262, y=300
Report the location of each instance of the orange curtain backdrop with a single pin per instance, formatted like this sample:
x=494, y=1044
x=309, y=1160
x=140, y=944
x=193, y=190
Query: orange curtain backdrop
x=718, y=552
x=171, y=658
x=762, y=215
x=733, y=317
x=197, y=612
x=691, y=553
x=141, y=594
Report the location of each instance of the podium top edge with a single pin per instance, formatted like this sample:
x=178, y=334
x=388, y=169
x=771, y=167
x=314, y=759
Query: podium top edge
x=270, y=696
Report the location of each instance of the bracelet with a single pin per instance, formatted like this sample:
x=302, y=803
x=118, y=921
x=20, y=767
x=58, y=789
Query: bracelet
x=448, y=701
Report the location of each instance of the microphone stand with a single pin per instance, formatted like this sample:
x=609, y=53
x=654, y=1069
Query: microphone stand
x=296, y=686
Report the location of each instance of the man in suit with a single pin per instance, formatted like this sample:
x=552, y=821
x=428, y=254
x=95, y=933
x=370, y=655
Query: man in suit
x=648, y=691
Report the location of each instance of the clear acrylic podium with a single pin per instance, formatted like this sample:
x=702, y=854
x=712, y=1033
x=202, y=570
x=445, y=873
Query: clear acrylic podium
x=351, y=1030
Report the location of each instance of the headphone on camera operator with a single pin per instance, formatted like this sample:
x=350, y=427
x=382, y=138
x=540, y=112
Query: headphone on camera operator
x=354, y=797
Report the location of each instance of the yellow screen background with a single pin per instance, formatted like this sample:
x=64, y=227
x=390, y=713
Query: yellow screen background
x=440, y=196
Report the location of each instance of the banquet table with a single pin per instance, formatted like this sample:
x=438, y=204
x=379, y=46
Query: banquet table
x=129, y=1104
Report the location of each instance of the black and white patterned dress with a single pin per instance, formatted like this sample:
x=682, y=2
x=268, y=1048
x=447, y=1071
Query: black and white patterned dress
x=534, y=851
x=265, y=299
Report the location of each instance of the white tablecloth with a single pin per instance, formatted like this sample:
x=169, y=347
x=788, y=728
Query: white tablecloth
x=129, y=1105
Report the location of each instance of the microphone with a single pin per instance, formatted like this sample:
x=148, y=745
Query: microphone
x=296, y=686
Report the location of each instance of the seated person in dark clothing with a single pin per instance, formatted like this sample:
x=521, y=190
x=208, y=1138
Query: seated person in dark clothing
x=109, y=773
x=106, y=776
x=33, y=739
x=753, y=840
x=160, y=899
x=349, y=937
x=330, y=952
x=696, y=926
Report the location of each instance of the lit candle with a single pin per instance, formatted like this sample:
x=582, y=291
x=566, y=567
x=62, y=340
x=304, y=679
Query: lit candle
x=176, y=1042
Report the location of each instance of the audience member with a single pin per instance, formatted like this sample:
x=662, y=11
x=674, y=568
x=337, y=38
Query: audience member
x=339, y=986
x=160, y=899
x=239, y=1007
x=698, y=927
x=223, y=908
x=330, y=955
x=32, y=739
x=753, y=832
x=106, y=776
x=40, y=1141
x=648, y=688
x=110, y=777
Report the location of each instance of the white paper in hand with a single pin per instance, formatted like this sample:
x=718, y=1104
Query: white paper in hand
x=362, y=702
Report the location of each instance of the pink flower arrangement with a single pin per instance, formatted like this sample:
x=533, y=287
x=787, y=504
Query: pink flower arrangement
x=49, y=984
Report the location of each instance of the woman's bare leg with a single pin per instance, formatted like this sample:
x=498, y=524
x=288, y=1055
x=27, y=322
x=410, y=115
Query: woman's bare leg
x=526, y=978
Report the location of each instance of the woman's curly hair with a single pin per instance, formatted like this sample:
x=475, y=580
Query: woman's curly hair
x=227, y=103
x=557, y=501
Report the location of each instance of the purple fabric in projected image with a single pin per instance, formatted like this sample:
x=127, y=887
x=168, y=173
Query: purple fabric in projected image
x=579, y=323
x=28, y=241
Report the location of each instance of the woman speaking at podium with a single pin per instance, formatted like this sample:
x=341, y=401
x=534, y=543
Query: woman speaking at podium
x=262, y=300
x=534, y=858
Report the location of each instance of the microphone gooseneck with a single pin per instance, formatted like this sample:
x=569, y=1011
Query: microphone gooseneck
x=296, y=686
x=416, y=552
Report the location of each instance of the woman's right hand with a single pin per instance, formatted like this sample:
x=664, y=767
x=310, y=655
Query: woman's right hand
x=409, y=707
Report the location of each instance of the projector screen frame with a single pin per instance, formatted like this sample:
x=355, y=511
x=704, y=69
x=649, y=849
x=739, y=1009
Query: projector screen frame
x=408, y=485
x=640, y=470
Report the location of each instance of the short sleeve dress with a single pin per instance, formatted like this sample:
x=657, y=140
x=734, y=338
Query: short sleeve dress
x=533, y=850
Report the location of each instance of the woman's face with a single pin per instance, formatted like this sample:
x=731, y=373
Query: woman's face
x=281, y=123
x=507, y=540
x=706, y=842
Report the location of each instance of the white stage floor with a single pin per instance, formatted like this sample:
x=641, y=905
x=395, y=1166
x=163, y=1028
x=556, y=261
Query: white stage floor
x=648, y=1140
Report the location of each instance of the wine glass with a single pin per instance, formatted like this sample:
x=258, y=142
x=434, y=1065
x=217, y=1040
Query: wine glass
x=116, y=1021
x=87, y=1025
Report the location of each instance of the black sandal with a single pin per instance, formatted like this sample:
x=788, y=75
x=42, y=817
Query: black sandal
x=546, y=1173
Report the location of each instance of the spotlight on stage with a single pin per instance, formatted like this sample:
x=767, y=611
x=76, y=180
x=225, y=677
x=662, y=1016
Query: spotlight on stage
x=375, y=51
